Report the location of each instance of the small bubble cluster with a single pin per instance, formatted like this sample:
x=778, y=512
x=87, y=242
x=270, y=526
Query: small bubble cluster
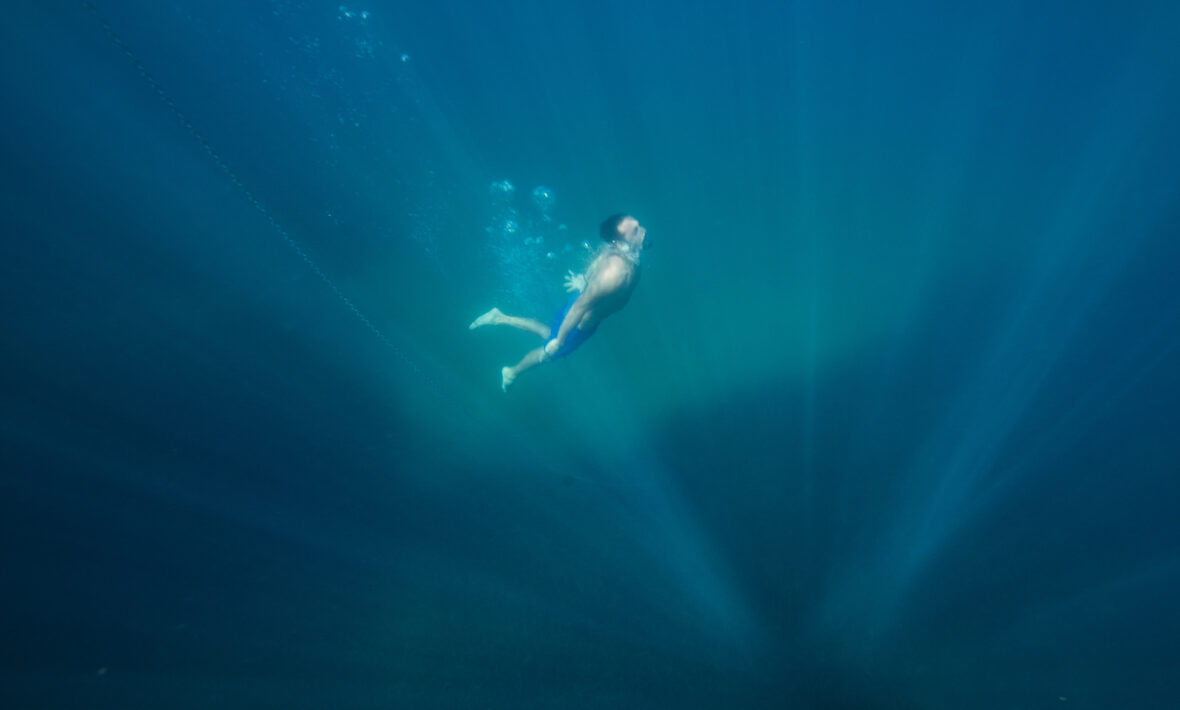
x=527, y=242
x=347, y=14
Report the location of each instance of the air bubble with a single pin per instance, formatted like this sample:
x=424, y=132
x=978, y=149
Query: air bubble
x=347, y=14
x=544, y=198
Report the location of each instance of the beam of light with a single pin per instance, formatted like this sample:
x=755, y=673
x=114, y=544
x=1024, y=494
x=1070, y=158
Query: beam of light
x=663, y=528
x=410, y=350
x=233, y=177
x=1074, y=266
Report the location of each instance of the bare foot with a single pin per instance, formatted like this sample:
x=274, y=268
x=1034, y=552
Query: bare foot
x=506, y=377
x=492, y=317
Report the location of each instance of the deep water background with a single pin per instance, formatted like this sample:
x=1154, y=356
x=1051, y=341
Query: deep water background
x=890, y=422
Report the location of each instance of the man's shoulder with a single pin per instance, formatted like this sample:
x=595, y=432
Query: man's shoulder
x=614, y=273
x=615, y=266
x=616, y=262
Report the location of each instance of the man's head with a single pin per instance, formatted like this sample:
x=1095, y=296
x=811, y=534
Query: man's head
x=623, y=229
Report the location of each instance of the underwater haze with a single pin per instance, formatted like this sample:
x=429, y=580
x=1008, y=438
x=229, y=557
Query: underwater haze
x=890, y=422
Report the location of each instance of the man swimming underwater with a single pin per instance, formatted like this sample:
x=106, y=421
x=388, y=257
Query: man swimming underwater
x=602, y=290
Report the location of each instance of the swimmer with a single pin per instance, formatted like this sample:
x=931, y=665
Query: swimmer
x=604, y=289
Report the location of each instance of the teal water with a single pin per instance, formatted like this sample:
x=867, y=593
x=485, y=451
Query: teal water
x=889, y=422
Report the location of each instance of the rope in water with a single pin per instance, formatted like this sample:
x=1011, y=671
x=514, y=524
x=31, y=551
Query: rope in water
x=237, y=182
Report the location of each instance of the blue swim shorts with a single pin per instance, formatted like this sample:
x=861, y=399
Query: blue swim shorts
x=576, y=337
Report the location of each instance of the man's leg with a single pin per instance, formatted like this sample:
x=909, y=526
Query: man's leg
x=508, y=374
x=495, y=317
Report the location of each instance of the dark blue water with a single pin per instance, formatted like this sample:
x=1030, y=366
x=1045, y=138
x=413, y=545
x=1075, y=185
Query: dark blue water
x=890, y=422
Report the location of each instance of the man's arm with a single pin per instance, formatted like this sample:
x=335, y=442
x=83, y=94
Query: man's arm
x=608, y=280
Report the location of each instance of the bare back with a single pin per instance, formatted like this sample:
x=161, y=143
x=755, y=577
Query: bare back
x=610, y=281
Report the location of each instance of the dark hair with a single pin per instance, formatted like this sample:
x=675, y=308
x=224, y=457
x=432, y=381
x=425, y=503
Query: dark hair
x=609, y=229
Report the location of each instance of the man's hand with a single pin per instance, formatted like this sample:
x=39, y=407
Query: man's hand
x=551, y=348
x=574, y=283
